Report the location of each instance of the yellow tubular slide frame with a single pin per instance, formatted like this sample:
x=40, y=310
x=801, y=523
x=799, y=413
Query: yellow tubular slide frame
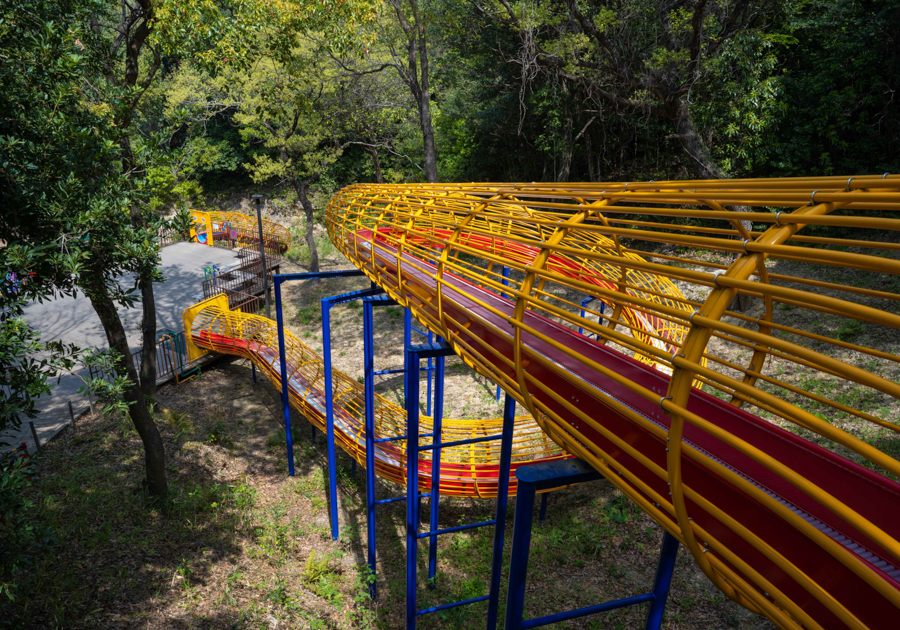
x=244, y=225
x=469, y=470
x=720, y=284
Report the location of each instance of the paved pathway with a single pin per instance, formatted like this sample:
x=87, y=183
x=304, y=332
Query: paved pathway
x=73, y=320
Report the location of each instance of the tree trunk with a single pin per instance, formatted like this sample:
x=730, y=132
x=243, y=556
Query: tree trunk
x=416, y=79
x=147, y=381
x=565, y=165
x=302, y=187
x=376, y=163
x=693, y=145
x=148, y=334
x=154, y=452
x=431, y=171
x=424, y=101
x=706, y=168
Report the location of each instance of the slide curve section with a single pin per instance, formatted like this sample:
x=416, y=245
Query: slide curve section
x=788, y=528
x=468, y=471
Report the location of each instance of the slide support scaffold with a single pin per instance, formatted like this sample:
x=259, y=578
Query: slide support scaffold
x=414, y=354
x=408, y=330
x=584, y=304
x=327, y=303
x=278, y=280
x=552, y=475
x=369, y=388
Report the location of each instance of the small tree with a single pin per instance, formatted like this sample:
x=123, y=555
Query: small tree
x=63, y=175
x=656, y=59
x=402, y=44
x=288, y=120
x=26, y=364
x=372, y=109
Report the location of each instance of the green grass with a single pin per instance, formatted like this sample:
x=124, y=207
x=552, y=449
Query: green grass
x=299, y=251
x=309, y=315
x=850, y=330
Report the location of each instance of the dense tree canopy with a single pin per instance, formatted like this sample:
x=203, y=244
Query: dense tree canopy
x=558, y=90
x=83, y=147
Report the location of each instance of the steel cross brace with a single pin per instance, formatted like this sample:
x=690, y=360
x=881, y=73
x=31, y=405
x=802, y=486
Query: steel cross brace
x=553, y=475
x=369, y=370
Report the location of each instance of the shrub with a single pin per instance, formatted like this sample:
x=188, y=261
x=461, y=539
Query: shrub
x=24, y=541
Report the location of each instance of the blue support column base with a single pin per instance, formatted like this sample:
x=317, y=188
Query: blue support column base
x=413, y=355
x=550, y=475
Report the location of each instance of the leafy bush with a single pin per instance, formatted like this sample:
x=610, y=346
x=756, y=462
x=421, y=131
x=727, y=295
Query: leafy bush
x=23, y=539
x=321, y=578
x=26, y=364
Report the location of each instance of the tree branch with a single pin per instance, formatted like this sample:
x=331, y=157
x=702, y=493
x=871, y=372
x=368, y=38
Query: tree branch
x=696, y=40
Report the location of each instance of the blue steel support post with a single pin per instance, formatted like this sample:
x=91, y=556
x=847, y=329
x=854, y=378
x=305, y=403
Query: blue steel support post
x=253, y=368
x=407, y=340
x=436, y=465
x=329, y=415
x=543, y=514
x=327, y=304
x=509, y=419
x=285, y=398
x=663, y=580
x=550, y=475
x=369, y=369
x=414, y=355
x=584, y=303
x=518, y=562
x=429, y=369
x=412, y=482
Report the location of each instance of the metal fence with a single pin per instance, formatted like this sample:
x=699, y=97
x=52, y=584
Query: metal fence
x=244, y=278
x=171, y=354
x=238, y=301
x=170, y=236
x=248, y=246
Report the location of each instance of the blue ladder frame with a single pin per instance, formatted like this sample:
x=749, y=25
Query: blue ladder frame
x=278, y=280
x=553, y=475
x=532, y=478
x=327, y=303
x=414, y=355
x=369, y=383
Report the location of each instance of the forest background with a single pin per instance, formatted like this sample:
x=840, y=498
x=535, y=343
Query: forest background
x=544, y=91
x=118, y=116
